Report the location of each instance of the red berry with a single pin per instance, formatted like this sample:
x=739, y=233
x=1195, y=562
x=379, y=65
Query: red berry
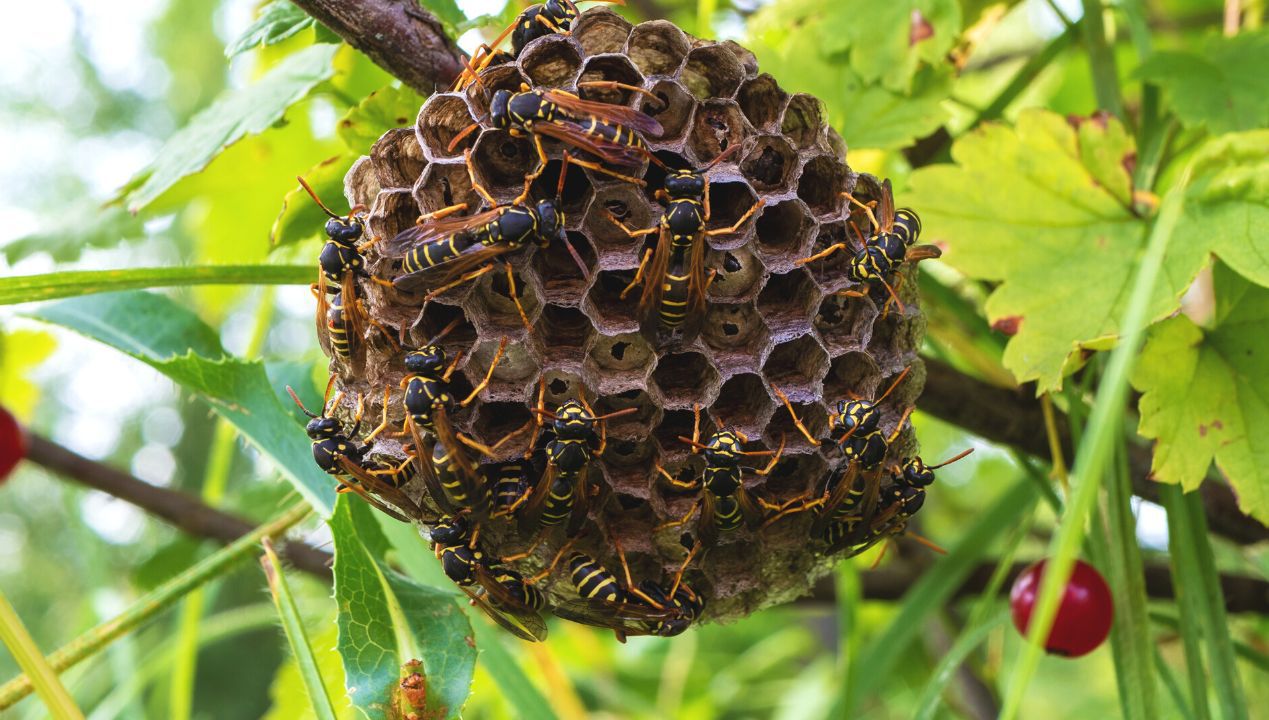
x=1085, y=610
x=12, y=443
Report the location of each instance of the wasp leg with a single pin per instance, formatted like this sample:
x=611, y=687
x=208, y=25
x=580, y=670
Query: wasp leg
x=493, y=365
x=681, y=521
x=475, y=184
x=515, y=297
x=450, y=286
x=866, y=208
x=614, y=85
x=678, y=576
x=826, y=252
x=638, y=278
x=627, y=230
x=550, y=568
x=737, y=225
x=796, y=420
x=612, y=173
x=537, y=172
x=387, y=393
x=676, y=482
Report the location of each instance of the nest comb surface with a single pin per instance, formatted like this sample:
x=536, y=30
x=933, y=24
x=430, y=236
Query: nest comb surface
x=770, y=322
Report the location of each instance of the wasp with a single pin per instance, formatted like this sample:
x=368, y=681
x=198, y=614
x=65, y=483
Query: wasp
x=512, y=482
x=339, y=263
x=612, y=133
x=885, y=250
x=440, y=252
x=625, y=608
x=674, y=286
x=551, y=17
x=504, y=595
x=564, y=492
x=849, y=418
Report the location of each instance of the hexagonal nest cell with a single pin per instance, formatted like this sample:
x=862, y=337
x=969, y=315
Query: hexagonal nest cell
x=769, y=321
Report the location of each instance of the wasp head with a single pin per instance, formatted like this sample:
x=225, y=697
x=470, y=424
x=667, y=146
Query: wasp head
x=345, y=231
x=429, y=361
x=683, y=184
x=322, y=427
x=916, y=473
x=573, y=422
x=499, y=109
x=563, y=12
x=723, y=449
x=550, y=222
x=449, y=531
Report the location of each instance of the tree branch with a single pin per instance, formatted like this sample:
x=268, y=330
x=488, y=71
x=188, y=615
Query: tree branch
x=182, y=511
x=1013, y=417
x=399, y=35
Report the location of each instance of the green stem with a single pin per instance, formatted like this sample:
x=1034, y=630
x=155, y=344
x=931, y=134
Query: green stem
x=1101, y=58
x=162, y=597
x=34, y=288
x=28, y=656
x=1104, y=426
x=1027, y=74
x=293, y=624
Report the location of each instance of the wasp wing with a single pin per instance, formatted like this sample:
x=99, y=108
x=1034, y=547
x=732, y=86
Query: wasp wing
x=885, y=207
x=438, y=275
x=429, y=230
x=526, y=625
x=570, y=133
x=619, y=114
x=835, y=499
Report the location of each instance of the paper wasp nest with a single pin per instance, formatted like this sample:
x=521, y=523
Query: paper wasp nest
x=770, y=322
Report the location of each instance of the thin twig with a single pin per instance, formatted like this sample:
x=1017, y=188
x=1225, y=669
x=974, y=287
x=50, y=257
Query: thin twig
x=182, y=511
x=398, y=35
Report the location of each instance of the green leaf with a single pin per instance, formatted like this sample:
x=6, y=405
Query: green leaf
x=301, y=218
x=293, y=625
x=34, y=288
x=1042, y=210
x=234, y=114
x=386, y=108
x=276, y=21
x=778, y=38
x=174, y=341
x=892, y=42
x=290, y=701
x=447, y=12
x=81, y=227
x=385, y=620
x=22, y=351
x=1205, y=395
x=515, y=686
x=1223, y=85
x=1228, y=202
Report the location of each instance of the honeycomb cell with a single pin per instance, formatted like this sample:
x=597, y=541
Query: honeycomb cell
x=490, y=305
x=442, y=118
x=888, y=334
x=686, y=379
x=845, y=323
x=674, y=110
x=501, y=77
x=615, y=248
x=821, y=184
x=634, y=425
x=626, y=462
x=398, y=159
x=502, y=162
x=736, y=337
x=783, y=230
x=794, y=476
x=657, y=47
x=551, y=61
x=797, y=367
x=803, y=120
x=761, y=100
x=743, y=404
x=576, y=194
x=435, y=318
x=624, y=353
x=361, y=184
x=444, y=184
x=717, y=125
x=729, y=200
x=830, y=271
x=675, y=425
x=850, y=376
x=616, y=68
x=502, y=421
x=563, y=276
x=563, y=335
x=786, y=304
x=711, y=72
x=770, y=164
x=813, y=416
x=393, y=210
x=559, y=385
x=748, y=61
x=601, y=31
x=603, y=303
x=738, y=277
x=516, y=370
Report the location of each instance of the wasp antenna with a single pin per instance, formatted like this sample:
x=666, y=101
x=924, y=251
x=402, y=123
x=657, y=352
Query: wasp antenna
x=927, y=542
x=446, y=330
x=545, y=413
x=559, y=187
x=326, y=395
x=693, y=443
x=462, y=135
x=945, y=463
x=721, y=157
x=893, y=385
x=316, y=199
x=296, y=398
x=619, y=413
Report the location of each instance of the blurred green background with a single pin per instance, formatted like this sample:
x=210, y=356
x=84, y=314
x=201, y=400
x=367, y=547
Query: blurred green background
x=88, y=93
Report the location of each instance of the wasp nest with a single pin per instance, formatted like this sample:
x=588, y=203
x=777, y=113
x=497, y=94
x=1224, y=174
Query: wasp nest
x=770, y=322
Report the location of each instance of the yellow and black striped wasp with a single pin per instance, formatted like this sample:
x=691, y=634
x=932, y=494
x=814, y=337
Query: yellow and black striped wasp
x=849, y=417
x=625, y=608
x=564, y=492
x=340, y=262
x=504, y=595
x=551, y=17
x=891, y=243
x=611, y=133
x=672, y=271
x=441, y=252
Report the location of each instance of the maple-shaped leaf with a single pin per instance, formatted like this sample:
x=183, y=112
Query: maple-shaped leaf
x=1044, y=210
x=1205, y=394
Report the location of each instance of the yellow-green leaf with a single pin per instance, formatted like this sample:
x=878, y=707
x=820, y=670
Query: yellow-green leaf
x=384, y=109
x=1205, y=394
x=1223, y=86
